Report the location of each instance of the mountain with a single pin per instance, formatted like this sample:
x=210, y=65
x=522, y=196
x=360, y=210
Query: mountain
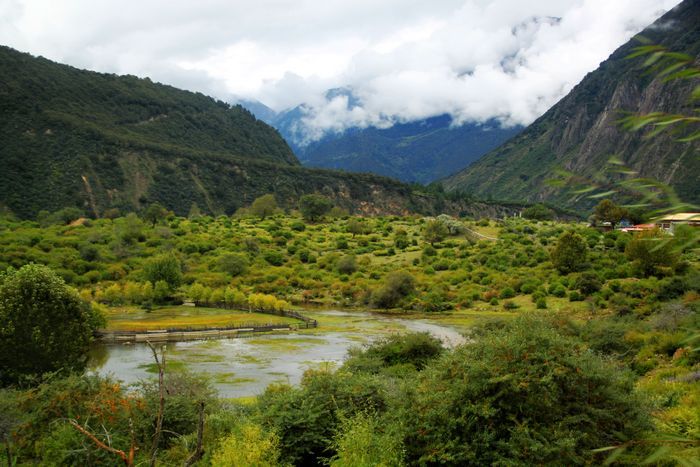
x=75, y=138
x=420, y=151
x=580, y=134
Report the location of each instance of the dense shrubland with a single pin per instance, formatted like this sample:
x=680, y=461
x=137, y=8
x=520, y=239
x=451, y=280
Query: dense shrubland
x=610, y=360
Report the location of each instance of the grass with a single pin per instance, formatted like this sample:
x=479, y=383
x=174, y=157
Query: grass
x=489, y=231
x=136, y=319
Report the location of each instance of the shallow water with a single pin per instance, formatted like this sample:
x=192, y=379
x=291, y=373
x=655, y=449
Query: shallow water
x=246, y=366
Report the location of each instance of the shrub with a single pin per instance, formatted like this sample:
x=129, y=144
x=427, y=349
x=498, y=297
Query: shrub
x=346, y=264
x=273, y=257
x=588, y=283
x=574, y=296
x=234, y=264
x=522, y=394
x=297, y=226
x=508, y=292
x=307, y=418
x=650, y=251
x=364, y=441
x=558, y=290
x=414, y=349
x=247, y=445
x=397, y=285
x=44, y=325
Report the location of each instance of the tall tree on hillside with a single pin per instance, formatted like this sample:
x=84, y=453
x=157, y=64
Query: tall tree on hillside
x=607, y=211
x=314, y=206
x=570, y=252
x=434, y=231
x=155, y=213
x=264, y=206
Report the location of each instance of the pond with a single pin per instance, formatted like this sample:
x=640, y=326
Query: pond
x=241, y=367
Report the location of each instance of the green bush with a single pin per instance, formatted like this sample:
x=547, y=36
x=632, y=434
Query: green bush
x=234, y=264
x=574, y=296
x=521, y=395
x=588, y=283
x=273, y=257
x=346, y=265
x=508, y=292
x=414, y=349
x=44, y=325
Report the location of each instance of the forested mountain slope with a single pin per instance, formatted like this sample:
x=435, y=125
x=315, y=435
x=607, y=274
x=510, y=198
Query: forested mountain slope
x=71, y=137
x=580, y=133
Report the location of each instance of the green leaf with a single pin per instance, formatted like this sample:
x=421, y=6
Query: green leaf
x=614, y=455
x=603, y=195
x=585, y=190
x=689, y=138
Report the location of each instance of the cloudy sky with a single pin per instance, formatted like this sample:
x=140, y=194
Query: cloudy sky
x=403, y=59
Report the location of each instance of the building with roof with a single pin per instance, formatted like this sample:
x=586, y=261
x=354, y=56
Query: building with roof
x=670, y=221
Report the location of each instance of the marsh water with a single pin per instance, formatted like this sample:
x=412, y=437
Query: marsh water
x=240, y=367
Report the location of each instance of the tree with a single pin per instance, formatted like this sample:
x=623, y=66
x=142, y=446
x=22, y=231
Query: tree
x=44, y=325
x=314, y=206
x=355, y=226
x=346, y=264
x=607, y=211
x=397, y=285
x=538, y=212
x=234, y=264
x=164, y=268
x=434, y=231
x=264, y=206
x=155, y=213
x=650, y=251
x=570, y=252
x=130, y=229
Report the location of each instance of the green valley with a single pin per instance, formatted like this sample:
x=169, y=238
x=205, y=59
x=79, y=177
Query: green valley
x=508, y=279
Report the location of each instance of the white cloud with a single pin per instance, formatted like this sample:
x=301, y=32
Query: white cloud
x=403, y=59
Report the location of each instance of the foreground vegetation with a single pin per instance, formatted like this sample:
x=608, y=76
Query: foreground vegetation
x=592, y=341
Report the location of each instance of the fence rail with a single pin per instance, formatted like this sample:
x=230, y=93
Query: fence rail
x=189, y=332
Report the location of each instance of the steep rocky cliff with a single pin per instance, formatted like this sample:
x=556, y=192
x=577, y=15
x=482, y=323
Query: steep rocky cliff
x=581, y=133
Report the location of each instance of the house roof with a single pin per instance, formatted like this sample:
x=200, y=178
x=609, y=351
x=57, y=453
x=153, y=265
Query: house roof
x=681, y=217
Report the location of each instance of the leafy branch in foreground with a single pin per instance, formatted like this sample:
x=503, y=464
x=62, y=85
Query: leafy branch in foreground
x=667, y=66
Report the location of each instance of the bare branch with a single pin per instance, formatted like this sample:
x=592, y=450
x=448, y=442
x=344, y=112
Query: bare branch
x=128, y=460
x=198, y=452
x=161, y=402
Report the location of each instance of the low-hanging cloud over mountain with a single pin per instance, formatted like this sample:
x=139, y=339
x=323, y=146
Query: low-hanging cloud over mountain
x=403, y=60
